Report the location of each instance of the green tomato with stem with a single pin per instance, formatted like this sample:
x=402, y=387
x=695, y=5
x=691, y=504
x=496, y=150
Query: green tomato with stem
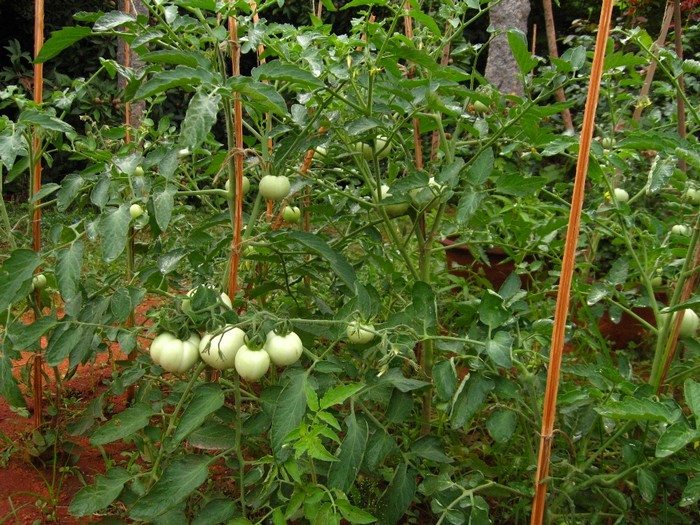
x=284, y=350
x=291, y=214
x=251, y=364
x=274, y=187
x=359, y=333
x=219, y=350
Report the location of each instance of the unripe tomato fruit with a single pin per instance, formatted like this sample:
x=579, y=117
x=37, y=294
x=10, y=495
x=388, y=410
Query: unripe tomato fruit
x=274, y=187
x=321, y=152
x=219, y=350
x=358, y=333
x=39, y=282
x=186, y=304
x=621, y=195
x=135, y=210
x=251, y=365
x=381, y=146
x=291, y=214
x=139, y=171
x=693, y=195
x=607, y=142
x=689, y=324
x=283, y=350
x=392, y=210
x=246, y=185
x=480, y=107
x=174, y=355
x=680, y=229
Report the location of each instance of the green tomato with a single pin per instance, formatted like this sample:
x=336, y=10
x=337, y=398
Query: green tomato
x=418, y=195
x=246, y=185
x=219, y=350
x=480, y=107
x=139, y=171
x=174, y=355
x=358, y=333
x=135, y=210
x=657, y=281
x=680, y=229
x=291, y=214
x=321, y=152
x=689, y=324
x=607, y=142
x=382, y=147
x=186, y=304
x=693, y=195
x=251, y=365
x=392, y=210
x=621, y=195
x=39, y=282
x=283, y=350
x=274, y=187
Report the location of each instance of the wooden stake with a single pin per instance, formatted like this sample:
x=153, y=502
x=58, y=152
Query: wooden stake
x=651, y=68
x=238, y=162
x=567, y=271
x=35, y=187
x=680, y=103
x=554, y=53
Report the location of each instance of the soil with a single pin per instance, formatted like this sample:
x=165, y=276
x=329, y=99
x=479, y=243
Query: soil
x=30, y=491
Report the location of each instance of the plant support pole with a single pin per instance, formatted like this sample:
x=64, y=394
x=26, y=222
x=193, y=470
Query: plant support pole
x=35, y=187
x=554, y=53
x=567, y=270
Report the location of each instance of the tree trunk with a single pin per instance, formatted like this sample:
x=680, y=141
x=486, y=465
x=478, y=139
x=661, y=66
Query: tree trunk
x=501, y=69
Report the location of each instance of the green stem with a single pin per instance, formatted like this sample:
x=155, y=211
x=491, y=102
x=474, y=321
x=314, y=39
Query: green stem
x=239, y=451
x=173, y=417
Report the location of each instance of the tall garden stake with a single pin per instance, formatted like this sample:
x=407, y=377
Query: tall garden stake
x=567, y=270
x=651, y=68
x=35, y=187
x=680, y=102
x=554, y=53
x=238, y=162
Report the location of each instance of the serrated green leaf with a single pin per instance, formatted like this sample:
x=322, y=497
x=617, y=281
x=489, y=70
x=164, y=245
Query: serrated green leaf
x=68, y=268
x=199, y=119
x=675, y=438
x=163, y=205
x=633, y=409
x=289, y=412
x=647, y=483
x=98, y=496
x=9, y=389
x=15, y=276
x=691, y=492
x=398, y=496
x=342, y=473
x=113, y=19
x=276, y=70
x=469, y=398
x=501, y=424
x=339, y=394
x=60, y=40
x=445, y=379
x=691, y=392
x=180, y=479
x=499, y=349
x=114, y=229
x=123, y=425
x=30, y=334
x=207, y=399
x=518, y=45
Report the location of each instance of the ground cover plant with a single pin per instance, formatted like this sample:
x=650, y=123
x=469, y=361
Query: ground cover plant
x=264, y=274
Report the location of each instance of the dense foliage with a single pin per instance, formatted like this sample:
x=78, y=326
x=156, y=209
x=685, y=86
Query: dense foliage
x=417, y=396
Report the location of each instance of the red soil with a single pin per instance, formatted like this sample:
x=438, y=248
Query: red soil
x=29, y=491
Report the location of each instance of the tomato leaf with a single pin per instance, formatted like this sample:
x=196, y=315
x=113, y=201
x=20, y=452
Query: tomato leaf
x=675, y=438
x=342, y=473
x=275, y=70
x=339, y=394
x=105, y=489
x=338, y=263
x=114, y=228
x=60, y=40
x=207, y=398
x=200, y=117
x=9, y=389
x=398, y=495
x=68, y=268
x=123, y=424
x=469, y=398
x=289, y=411
x=182, y=477
x=15, y=276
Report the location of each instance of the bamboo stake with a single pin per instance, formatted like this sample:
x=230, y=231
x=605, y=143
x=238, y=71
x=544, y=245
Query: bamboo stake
x=238, y=162
x=651, y=69
x=680, y=104
x=131, y=390
x=533, y=47
x=563, y=294
x=444, y=60
x=35, y=187
x=417, y=144
x=554, y=53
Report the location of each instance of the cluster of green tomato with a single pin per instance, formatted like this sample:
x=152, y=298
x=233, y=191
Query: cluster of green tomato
x=226, y=349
